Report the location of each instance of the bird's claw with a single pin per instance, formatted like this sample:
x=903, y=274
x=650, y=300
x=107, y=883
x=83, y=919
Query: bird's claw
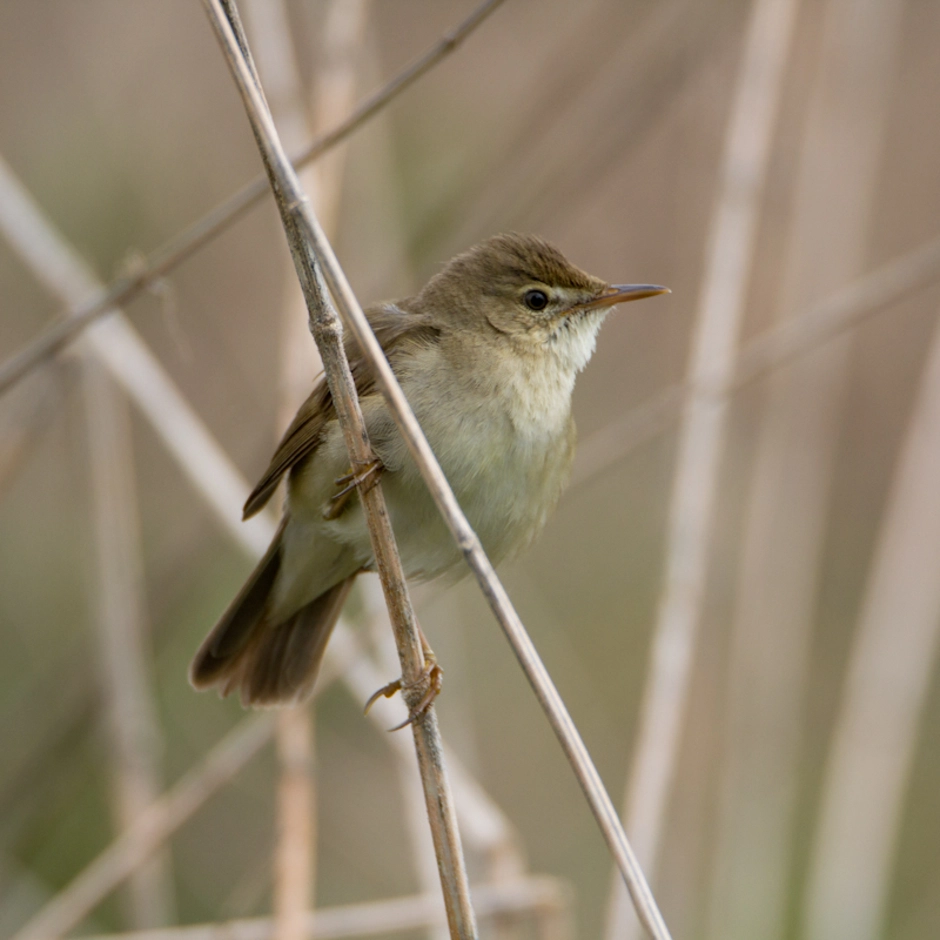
x=429, y=684
x=366, y=477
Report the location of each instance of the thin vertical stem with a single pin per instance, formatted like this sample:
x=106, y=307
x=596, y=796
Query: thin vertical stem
x=483, y=825
x=422, y=849
x=295, y=845
x=788, y=502
x=294, y=858
x=130, y=709
x=894, y=654
x=729, y=256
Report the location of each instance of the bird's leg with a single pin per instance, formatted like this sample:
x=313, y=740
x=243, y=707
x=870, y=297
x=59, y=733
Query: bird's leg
x=429, y=684
x=366, y=475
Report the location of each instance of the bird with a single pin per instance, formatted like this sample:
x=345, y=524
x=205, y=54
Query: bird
x=487, y=353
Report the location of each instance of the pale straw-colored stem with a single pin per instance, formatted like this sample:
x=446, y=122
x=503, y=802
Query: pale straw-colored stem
x=294, y=854
x=135, y=737
x=330, y=101
x=391, y=261
x=483, y=824
x=24, y=418
x=487, y=833
x=301, y=215
x=130, y=363
x=306, y=241
x=524, y=898
x=409, y=783
x=893, y=657
x=201, y=232
x=720, y=313
x=787, y=506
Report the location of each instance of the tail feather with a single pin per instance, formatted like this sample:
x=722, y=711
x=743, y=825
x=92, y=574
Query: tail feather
x=268, y=663
x=282, y=662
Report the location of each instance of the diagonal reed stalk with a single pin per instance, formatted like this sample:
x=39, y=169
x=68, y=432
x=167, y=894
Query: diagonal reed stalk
x=204, y=230
x=149, y=831
x=299, y=217
x=511, y=902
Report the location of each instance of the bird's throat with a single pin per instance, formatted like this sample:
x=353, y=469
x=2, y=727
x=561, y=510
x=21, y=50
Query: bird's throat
x=573, y=340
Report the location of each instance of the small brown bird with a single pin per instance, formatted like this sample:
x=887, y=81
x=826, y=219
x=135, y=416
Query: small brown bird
x=487, y=354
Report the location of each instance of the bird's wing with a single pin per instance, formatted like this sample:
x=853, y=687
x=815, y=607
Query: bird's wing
x=395, y=329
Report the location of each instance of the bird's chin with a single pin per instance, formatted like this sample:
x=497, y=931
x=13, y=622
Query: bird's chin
x=574, y=338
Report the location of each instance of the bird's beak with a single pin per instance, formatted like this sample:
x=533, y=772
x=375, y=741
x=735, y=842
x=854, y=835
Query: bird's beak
x=621, y=293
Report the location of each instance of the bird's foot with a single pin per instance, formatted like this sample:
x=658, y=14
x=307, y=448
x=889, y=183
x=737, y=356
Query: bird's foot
x=419, y=694
x=364, y=477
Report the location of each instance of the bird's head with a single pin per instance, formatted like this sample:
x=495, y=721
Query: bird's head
x=521, y=288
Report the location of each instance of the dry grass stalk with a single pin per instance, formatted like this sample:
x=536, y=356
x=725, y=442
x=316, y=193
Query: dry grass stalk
x=307, y=243
x=487, y=833
x=294, y=856
x=149, y=831
x=119, y=348
x=893, y=656
x=24, y=420
x=136, y=740
x=297, y=215
x=169, y=256
x=384, y=662
x=729, y=255
x=483, y=824
x=541, y=898
x=787, y=506
x=633, y=71
x=392, y=262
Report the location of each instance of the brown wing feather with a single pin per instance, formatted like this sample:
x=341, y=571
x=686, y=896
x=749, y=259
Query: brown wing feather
x=393, y=327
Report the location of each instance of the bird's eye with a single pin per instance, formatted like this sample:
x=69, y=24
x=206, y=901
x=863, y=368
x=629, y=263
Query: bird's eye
x=535, y=299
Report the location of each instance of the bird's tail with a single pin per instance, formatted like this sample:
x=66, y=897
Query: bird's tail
x=268, y=663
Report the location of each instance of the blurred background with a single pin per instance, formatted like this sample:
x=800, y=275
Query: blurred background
x=769, y=561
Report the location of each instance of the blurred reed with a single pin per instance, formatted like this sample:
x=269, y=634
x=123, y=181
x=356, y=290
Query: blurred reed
x=730, y=248
x=788, y=500
x=802, y=797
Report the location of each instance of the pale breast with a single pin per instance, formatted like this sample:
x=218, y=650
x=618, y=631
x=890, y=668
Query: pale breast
x=505, y=445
